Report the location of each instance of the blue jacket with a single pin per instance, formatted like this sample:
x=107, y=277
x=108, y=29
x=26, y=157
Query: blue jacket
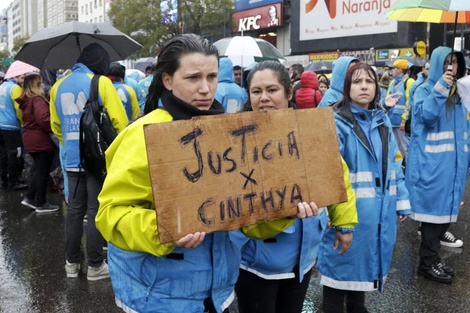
x=128, y=99
x=68, y=98
x=228, y=93
x=335, y=92
x=145, y=84
x=420, y=79
x=381, y=195
x=436, y=169
x=133, y=82
x=278, y=257
x=10, y=113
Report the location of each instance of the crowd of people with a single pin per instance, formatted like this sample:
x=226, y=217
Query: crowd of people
x=404, y=150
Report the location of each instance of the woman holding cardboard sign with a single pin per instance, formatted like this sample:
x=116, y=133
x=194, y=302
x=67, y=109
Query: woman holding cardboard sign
x=196, y=273
x=275, y=272
x=369, y=148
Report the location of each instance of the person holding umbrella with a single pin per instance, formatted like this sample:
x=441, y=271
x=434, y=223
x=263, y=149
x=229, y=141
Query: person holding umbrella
x=438, y=162
x=68, y=97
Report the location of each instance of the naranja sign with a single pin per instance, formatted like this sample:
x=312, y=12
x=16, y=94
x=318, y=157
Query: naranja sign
x=228, y=171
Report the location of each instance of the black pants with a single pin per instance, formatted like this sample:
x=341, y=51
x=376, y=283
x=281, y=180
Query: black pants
x=11, y=153
x=333, y=300
x=259, y=295
x=39, y=176
x=431, y=243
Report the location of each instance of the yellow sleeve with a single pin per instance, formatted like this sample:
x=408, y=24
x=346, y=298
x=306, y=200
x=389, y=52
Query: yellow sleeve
x=126, y=216
x=113, y=104
x=263, y=230
x=409, y=83
x=344, y=214
x=15, y=94
x=55, y=121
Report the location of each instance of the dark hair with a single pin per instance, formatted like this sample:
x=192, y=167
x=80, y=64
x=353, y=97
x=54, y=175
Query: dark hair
x=237, y=67
x=169, y=62
x=96, y=58
x=117, y=70
x=324, y=78
x=349, y=78
x=279, y=70
x=297, y=67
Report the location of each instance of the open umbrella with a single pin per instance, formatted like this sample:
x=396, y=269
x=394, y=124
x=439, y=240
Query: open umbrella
x=130, y=71
x=431, y=11
x=60, y=46
x=416, y=61
x=142, y=63
x=244, y=50
x=18, y=68
x=320, y=67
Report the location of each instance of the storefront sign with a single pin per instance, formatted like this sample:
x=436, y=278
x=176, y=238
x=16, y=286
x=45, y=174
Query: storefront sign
x=259, y=18
x=341, y=18
x=367, y=56
x=324, y=56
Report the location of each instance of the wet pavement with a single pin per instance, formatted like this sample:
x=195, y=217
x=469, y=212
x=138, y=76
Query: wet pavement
x=32, y=276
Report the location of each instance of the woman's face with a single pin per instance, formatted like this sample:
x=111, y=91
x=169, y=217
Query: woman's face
x=362, y=91
x=322, y=87
x=195, y=81
x=455, y=64
x=266, y=92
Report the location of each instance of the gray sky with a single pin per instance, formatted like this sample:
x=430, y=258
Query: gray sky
x=4, y=4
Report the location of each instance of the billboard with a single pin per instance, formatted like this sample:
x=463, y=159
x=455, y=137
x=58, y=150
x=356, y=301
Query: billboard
x=169, y=9
x=241, y=5
x=259, y=18
x=343, y=18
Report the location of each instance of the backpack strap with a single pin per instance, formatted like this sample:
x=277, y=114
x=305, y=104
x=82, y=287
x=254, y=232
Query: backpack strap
x=94, y=88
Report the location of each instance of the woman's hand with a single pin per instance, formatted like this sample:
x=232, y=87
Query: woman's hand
x=191, y=240
x=391, y=100
x=448, y=77
x=306, y=210
x=344, y=239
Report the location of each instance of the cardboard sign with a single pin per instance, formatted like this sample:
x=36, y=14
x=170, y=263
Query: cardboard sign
x=227, y=171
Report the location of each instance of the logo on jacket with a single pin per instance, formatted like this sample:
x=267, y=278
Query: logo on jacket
x=330, y=5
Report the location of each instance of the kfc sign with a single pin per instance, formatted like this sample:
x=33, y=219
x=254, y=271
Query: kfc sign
x=259, y=18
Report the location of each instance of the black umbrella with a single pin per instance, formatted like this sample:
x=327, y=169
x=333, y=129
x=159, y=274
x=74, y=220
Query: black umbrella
x=320, y=67
x=60, y=46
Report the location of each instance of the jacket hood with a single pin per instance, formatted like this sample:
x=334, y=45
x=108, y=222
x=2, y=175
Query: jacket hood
x=438, y=57
x=340, y=68
x=96, y=58
x=226, y=71
x=309, y=80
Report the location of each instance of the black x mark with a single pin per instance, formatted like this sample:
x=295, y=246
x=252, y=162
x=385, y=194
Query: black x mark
x=248, y=178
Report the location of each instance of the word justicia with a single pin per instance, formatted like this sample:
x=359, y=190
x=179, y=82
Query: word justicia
x=226, y=161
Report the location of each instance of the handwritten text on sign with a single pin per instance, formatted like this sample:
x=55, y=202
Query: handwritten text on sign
x=228, y=171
